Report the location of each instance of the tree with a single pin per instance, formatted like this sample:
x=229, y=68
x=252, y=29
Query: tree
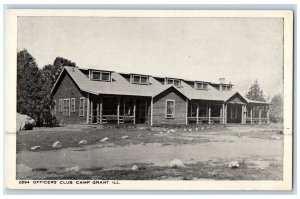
x=276, y=109
x=34, y=85
x=255, y=92
x=51, y=72
x=58, y=65
x=29, y=86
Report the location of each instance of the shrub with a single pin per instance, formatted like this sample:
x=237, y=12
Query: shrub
x=28, y=126
x=276, y=109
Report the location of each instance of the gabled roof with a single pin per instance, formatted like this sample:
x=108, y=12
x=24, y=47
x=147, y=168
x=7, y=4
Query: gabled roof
x=121, y=86
x=238, y=96
x=257, y=102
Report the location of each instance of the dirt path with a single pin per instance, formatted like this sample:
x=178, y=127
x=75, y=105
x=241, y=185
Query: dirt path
x=229, y=147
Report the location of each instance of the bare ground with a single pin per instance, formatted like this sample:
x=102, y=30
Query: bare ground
x=204, y=151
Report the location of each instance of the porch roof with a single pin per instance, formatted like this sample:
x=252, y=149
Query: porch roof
x=257, y=102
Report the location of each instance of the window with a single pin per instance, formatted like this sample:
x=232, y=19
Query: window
x=105, y=76
x=101, y=75
x=175, y=82
x=66, y=110
x=73, y=105
x=143, y=80
x=228, y=88
x=223, y=88
x=96, y=76
x=201, y=85
x=138, y=79
x=60, y=105
x=170, y=108
x=170, y=81
x=233, y=112
x=81, y=106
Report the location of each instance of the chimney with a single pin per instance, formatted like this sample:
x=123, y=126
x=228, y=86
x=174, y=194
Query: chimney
x=222, y=80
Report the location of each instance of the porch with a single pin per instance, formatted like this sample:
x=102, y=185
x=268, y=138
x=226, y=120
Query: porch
x=257, y=113
x=205, y=112
x=103, y=109
x=211, y=112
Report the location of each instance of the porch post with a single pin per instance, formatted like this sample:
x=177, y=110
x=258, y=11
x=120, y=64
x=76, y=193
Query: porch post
x=209, y=113
x=88, y=109
x=91, y=111
x=186, y=108
x=259, y=115
x=245, y=114
x=251, y=114
x=268, y=114
x=118, y=111
x=197, y=116
x=134, y=111
x=221, y=112
x=225, y=116
x=101, y=110
x=124, y=109
x=98, y=113
x=242, y=121
x=151, y=112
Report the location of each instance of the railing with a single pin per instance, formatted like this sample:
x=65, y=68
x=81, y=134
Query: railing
x=201, y=120
x=257, y=120
x=114, y=118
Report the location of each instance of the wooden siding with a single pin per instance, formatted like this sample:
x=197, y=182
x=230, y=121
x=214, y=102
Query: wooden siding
x=68, y=89
x=159, y=108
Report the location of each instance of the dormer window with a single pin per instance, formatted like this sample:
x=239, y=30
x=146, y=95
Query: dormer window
x=139, y=79
x=225, y=87
x=175, y=82
x=101, y=75
x=201, y=85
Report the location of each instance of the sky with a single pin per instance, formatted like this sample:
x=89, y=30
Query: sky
x=238, y=49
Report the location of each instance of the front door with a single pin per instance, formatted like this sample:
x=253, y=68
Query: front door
x=141, y=111
x=234, y=113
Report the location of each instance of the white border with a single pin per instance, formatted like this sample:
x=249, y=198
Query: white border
x=10, y=124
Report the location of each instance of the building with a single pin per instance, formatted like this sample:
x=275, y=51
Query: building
x=100, y=97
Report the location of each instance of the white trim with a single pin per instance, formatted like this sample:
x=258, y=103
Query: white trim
x=223, y=113
x=83, y=106
x=100, y=75
x=140, y=79
x=69, y=107
x=73, y=100
x=173, y=80
x=151, y=114
x=60, y=105
x=186, y=115
x=166, y=109
x=57, y=80
x=87, y=108
x=65, y=113
x=202, y=85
